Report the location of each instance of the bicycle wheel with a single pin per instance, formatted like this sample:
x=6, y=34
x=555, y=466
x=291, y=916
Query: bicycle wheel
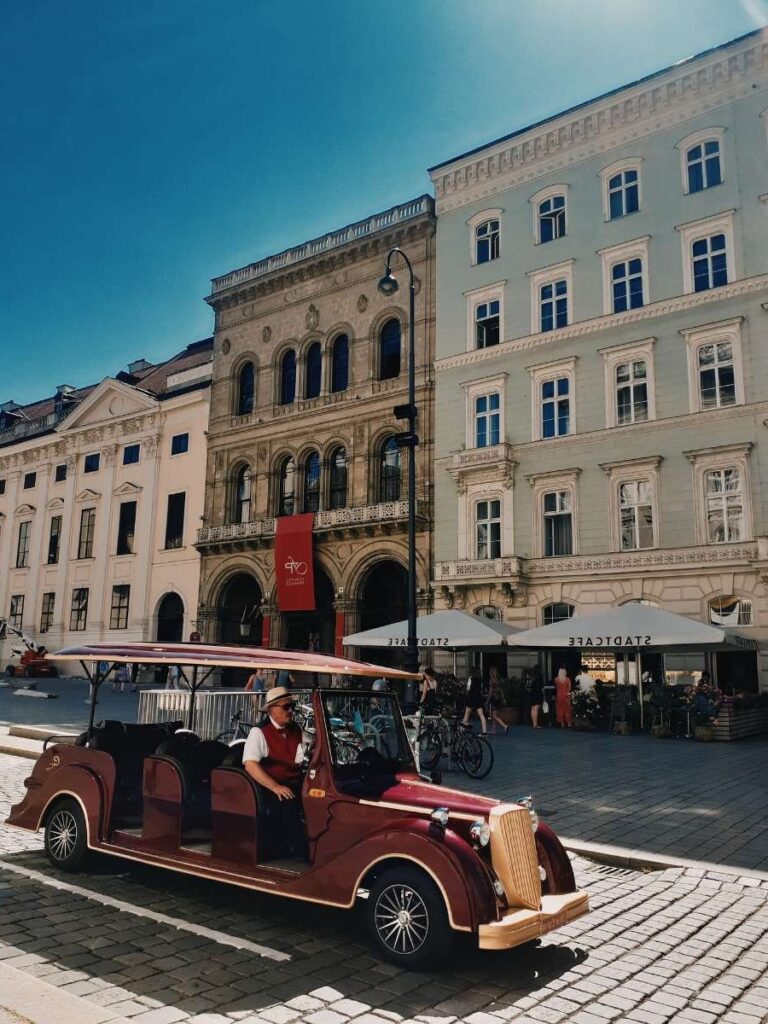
x=430, y=747
x=474, y=755
x=228, y=736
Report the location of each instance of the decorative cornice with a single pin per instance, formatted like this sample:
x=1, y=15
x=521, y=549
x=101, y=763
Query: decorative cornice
x=665, y=307
x=644, y=462
x=719, y=452
x=661, y=102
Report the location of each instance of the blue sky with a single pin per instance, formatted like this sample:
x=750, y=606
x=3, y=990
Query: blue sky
x=149, y=146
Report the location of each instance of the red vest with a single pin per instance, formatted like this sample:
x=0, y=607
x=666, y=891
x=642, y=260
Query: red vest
x=282, y=745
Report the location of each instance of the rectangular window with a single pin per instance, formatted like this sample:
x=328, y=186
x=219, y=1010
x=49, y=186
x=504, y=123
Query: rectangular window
x=487, y=241
x=487, y=323
x=623, y=195
x=16, y=613
x=703, y=163
x=627, y=285
x=30, y=479
x=553, y=305
x=558, y=524
x=60, y=473
x=488, y=529
x=174, y=523
x=79, y=611
x=2, y=486
x=631, y=392
x=636, y=515
x=46, y=612
x=22, y=547
x=87, y=528
x=118, y=613
x=179, y=444
x=717, y=383
x=131, y=454
x=91, y=463
x=54, y=540
x=555, y=407
x=710, y=264
x=552, y=219
x=126, y=528
x=724, y=505
x=487, y=420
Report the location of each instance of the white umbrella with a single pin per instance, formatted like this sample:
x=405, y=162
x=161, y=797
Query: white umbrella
x=444, y=629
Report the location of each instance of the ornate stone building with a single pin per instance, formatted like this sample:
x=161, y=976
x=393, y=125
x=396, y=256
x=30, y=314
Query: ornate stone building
x=601, y=369
x=101, y=491
x=309, y=362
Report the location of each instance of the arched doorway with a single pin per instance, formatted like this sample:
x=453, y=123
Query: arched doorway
x=383, y=599
x=170, y=619
x=238, y=621
x=304, y=631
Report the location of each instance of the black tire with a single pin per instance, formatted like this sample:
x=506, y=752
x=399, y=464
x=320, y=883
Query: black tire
x=10, y=671
x=66, y=841
x=474, y=755
x=407, y=918
x=430, y=744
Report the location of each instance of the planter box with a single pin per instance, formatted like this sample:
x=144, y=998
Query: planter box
x=735, y=722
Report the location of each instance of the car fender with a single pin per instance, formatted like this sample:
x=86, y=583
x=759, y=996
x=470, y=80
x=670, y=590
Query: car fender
x=554, y=860
x=72, y=780
x=447, y=858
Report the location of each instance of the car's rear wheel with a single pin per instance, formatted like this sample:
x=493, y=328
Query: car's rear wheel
x=407, y=917
x=66, y=843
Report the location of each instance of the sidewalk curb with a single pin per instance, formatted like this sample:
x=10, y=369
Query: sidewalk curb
x=644, y=860
x=6, y=748
x=34, y=1000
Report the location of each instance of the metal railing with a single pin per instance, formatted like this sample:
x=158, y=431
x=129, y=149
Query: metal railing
x=213, y=708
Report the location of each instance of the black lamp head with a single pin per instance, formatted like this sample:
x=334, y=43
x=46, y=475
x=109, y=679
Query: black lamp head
x=388, y=284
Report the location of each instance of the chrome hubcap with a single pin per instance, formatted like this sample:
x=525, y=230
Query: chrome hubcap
x=62, y=834
x=402, y=921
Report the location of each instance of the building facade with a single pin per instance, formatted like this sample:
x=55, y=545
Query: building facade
x=101, y=491
x=601, y=363
x=309, y=362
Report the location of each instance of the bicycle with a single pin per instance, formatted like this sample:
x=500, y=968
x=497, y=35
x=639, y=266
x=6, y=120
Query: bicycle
x=238, y=729
x=470, y=753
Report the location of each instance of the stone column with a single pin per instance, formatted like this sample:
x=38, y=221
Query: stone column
x=99, y=599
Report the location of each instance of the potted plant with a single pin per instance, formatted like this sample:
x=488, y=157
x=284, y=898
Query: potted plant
x=586, y=709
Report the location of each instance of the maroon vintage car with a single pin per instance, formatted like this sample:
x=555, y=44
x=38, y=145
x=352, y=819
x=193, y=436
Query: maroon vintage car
x=427, y=860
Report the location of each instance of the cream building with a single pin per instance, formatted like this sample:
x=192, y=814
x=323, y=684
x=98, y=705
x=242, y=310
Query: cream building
x=101, y=492
x=601, y=367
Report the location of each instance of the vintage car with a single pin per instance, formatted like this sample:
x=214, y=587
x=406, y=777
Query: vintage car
x=426, y=862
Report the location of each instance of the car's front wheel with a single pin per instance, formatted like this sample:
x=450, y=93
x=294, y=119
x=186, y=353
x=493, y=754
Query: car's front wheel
x=66, y=843
x=407, y=917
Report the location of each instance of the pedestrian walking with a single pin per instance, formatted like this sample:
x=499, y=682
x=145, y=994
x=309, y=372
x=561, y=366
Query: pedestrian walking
x=495, y=701
x=474, y=699
x=563, y=706
x=536, y=691
x=122, y=678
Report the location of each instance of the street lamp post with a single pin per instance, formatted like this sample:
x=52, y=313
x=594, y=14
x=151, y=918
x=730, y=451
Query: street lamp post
x=388, y=286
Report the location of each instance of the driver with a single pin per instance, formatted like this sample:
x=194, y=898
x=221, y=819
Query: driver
x=272, y=756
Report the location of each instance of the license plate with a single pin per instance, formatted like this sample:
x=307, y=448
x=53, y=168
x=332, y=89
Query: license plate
x=556, y=921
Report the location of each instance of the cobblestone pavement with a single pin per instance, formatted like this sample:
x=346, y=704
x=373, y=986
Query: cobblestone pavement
x=675, y=945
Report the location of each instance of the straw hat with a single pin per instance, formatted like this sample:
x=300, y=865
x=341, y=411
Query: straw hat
x=276, y=693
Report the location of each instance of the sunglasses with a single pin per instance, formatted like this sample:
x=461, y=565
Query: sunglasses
x=286, y=707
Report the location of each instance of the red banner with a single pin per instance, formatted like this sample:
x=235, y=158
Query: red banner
x=293, y=563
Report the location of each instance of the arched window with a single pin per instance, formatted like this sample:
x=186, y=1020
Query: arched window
x=730, y=611
x=557, y=612
x=389, y=350
x=288, y=378
x=340, y=364
x=337, y=492
x=314, y=370
x=312, y=482
x=241, y=510
x=389, y=471
x=245, y=382
x=287, y=476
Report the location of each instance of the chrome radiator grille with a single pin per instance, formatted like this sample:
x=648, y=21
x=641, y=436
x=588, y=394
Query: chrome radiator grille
x=513, y=855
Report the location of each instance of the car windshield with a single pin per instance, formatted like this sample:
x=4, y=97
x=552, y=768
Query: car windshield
x=367, y=730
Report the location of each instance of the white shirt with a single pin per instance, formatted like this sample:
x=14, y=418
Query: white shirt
x=256, y=747
x=586, y=682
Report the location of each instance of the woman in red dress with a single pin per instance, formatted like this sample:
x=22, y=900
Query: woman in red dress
x=563, y=706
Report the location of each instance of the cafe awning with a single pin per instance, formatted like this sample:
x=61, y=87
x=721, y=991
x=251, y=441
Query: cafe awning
x=633, y=627
x=446, y=629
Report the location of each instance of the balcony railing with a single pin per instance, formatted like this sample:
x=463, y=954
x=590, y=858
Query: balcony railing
x=342, y=519
x=477, y=568
x=476, y=458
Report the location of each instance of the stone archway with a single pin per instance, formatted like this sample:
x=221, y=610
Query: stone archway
x=238, y=611
x=302, y=631
x=383, y=599
x=170, y=619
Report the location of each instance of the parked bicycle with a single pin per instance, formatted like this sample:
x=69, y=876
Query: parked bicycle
x=238, y=729
x=470, y=753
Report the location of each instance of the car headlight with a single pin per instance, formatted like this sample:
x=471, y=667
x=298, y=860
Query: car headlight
x=527, y=803
x=440, y=816
x=480, y=833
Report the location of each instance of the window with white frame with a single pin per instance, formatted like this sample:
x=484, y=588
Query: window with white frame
x=487, y=241
x=558, y=523
x=702, y=164
x=724, y=505
x=487, y=430
x=623, y=193
x=631, y=384
x=488, y=528
x=627, y=285
x=730, y=611
x=708, y=253
x=715, y=377
x=558, y=611
x=487, y=323
x=553, y=305
x=555, y=407
x=636, y=515
x=550, y=216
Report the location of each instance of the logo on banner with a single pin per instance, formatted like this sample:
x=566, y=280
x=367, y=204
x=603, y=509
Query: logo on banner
x=295, y=569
